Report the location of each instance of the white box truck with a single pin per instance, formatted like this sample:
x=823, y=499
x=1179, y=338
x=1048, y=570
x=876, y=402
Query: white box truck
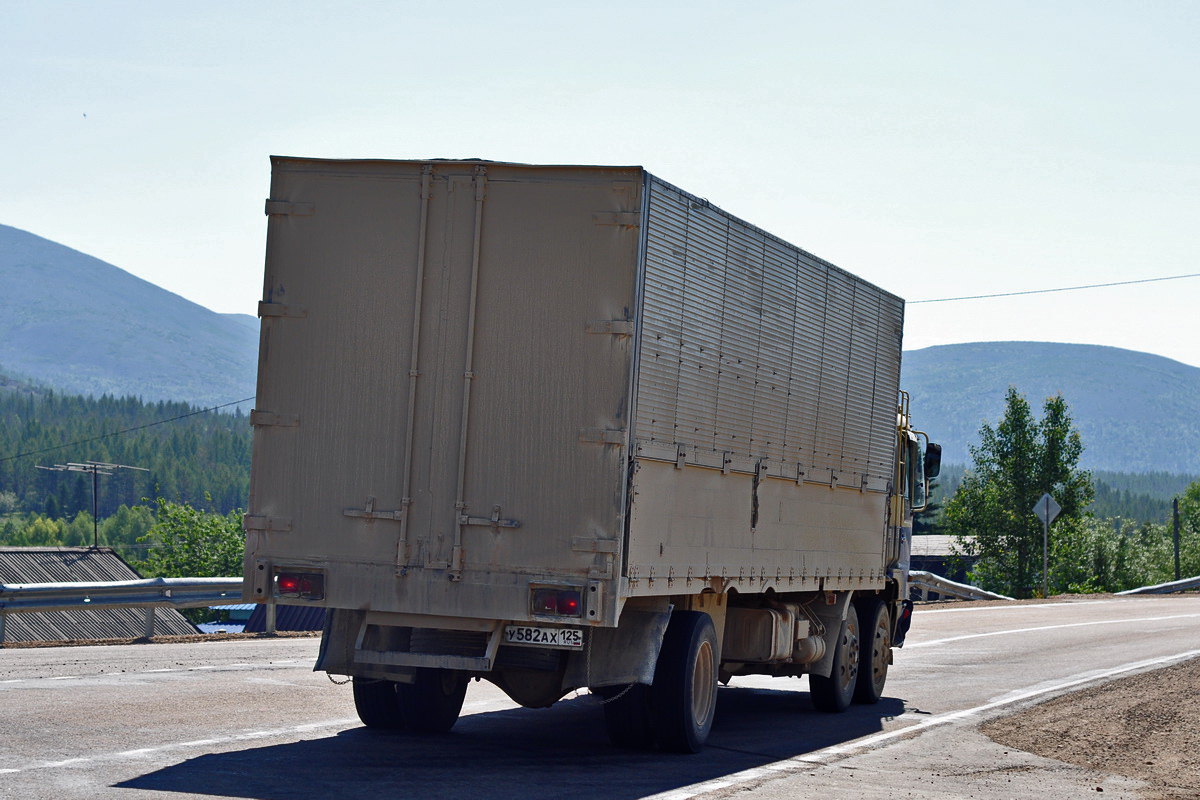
x=570, y=426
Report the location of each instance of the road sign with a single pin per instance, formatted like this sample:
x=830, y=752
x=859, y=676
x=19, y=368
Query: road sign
x=1047, y=509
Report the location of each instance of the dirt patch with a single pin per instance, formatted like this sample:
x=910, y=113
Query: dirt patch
x=1145, y=726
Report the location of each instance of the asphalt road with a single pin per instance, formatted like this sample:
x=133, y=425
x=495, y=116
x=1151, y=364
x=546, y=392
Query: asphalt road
x=249, y=719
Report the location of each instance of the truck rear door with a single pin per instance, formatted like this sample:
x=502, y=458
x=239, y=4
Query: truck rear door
x=444, y=378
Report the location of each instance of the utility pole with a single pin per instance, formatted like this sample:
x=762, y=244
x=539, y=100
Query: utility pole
x=96, y=468
x=1175, y=505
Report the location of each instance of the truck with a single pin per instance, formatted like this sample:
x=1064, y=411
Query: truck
x=572, y=427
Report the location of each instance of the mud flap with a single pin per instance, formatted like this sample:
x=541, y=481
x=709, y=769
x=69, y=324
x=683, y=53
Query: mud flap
x=832, y=617
x=618, y=656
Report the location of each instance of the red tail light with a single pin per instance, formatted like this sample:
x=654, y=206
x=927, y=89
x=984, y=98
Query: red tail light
x=568, y=604
x=556, y=602
x=306, y=585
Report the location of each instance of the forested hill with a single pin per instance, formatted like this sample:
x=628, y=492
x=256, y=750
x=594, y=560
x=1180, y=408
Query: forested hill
x=1136, y=412
x=83, y=326
x=189, y=454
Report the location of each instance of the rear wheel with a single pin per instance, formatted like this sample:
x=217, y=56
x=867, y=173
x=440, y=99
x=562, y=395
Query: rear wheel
x=377, y=704
x=833, y=694
x=876, y=625
x=627, y=716
x=433, y=700
x=684, y=694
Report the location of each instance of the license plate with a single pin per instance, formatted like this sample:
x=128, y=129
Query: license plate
x=567, y=638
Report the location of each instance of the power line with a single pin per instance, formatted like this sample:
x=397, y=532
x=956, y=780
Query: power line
x=909, y=302
x=127, y=430
x=1061, y=289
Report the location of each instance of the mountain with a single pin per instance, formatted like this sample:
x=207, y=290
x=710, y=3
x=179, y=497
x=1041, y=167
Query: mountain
x=79, y=325
x=1136, y=412
x=82, y=326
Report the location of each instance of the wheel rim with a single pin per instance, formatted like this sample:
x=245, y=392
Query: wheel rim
x=703, y=683
x=851, y=648
x=881, y=646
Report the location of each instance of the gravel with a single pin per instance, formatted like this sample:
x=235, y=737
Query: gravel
x=1146, y=726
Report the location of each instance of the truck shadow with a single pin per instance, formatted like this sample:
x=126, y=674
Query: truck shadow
x=556, y=752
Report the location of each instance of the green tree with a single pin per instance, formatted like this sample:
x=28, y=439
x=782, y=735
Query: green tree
x=11, y=535
x=1189, y=532
x=1014, y=464
x=931, y=519
x=1111, y=555
x=122, y=530
x=190, y=543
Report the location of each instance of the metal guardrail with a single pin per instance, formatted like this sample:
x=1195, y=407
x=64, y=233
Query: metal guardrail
x=150, y=593
x=1167, y=588
x=945, y=586
x=929, y=581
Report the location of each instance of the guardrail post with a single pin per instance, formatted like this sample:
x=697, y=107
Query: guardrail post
x=149, y=629
x=270, y=621
x=3, y=617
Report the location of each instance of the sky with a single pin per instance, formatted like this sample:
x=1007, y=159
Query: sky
x=936, y=149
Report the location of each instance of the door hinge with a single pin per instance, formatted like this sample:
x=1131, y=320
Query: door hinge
x=627, y=219
x=617, y=327
x=266, y=418
x=494, y=521
x=602, y=436
x=583, y=544
x=283, y=207
x=255, y=523
x=369, y=513
x=266, y=309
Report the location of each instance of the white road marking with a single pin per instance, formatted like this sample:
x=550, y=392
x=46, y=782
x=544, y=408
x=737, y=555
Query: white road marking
x=146, y=752
x=1073, y=682
x=161, y=671
x=978, y=609
x=837, y=752
x=910, y=645
x=475, y=707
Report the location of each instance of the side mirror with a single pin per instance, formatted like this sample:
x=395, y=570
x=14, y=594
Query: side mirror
x=933, y=459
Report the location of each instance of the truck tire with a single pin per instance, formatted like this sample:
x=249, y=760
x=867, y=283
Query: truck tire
x=876, y=625
x=431, y=703
x=833, y=694
x=377, y=704
x=683, y=697
x=627, y=716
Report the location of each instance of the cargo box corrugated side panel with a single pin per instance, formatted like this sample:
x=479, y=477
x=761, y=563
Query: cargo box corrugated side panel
x=765, y=411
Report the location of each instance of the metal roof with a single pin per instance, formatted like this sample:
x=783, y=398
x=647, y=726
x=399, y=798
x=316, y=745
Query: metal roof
x=935, y=544
x=287, y=618
x=79, y=564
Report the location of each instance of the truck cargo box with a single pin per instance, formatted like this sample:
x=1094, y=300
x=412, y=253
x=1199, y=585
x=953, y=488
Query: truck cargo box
x=477, y=379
